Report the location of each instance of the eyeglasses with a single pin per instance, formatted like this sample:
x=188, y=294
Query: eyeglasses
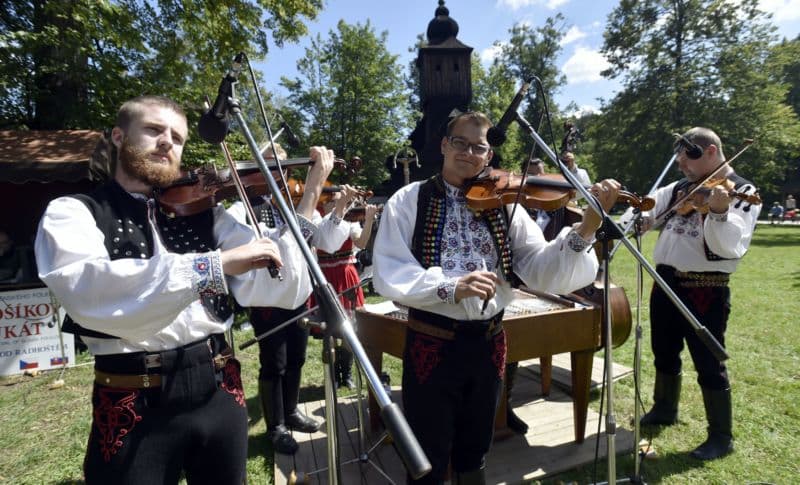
x=463, y=145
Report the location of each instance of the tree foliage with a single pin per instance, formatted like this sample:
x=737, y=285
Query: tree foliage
x=533, y=52
x=693, y=63
x=350, y=93
x=492, y=91
x=71, y=63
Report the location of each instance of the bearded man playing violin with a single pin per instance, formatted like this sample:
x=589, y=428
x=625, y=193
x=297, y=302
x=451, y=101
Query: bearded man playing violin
x=148, y=295
x=696, y=252
x=436, y=256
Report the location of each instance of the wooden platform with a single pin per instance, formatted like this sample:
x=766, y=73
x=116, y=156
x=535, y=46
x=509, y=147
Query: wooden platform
x=547, y=449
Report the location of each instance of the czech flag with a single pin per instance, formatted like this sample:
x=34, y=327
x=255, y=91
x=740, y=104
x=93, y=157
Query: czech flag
x=58, y=360
x=27, y=365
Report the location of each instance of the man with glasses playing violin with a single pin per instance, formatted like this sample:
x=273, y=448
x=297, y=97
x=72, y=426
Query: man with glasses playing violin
x=147, y=294
x=695, y=254
x=436, y=256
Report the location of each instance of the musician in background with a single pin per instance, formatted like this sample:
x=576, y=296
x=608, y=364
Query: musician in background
x=282, y=355
x=147, y=293
x=551, y=223
x=436, y=256
x=581, y=174
x=695, y=254
x=10, y=261
x=340, y=270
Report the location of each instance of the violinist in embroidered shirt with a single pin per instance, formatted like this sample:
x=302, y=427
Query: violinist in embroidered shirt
x=696, y=252
x=282, y=355
x=149, y=296
x=435, y=255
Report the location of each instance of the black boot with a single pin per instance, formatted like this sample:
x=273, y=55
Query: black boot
x=291, y=394
x=514, y=422
x=475, y=477
x=344, y=368
x=666, y=394
x=719, y=415
x=271, y=394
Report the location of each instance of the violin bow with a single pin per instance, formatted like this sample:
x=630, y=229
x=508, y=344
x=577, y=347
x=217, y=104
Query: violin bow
x=251, y=213
x=270, y=136
x=668, y=213
x=523, y=177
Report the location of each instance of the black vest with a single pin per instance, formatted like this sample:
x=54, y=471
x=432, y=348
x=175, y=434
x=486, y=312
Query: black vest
x=429, y=228
x=123, y=220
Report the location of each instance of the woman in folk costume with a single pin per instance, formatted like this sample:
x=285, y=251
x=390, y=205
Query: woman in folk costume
x=340, y=270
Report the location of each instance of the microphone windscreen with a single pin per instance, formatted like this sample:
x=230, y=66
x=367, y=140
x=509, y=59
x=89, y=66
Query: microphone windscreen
x=495, y=136
x=212, y=129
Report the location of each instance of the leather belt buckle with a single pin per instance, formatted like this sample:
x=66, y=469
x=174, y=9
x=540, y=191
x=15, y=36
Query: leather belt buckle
x=141, y=381
x=151, y=361
x=221, y=358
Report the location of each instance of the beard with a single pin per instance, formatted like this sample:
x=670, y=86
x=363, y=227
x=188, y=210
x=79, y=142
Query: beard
x=136, y=163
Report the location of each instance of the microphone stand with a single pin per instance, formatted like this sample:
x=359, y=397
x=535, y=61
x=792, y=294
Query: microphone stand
x=334, y=315
x=652, y=190
x=610, y=230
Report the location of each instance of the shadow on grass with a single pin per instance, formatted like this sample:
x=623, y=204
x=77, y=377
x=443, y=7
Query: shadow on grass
x=258, y=445
x=70, y=482
x=668, y=465
x=769, y=239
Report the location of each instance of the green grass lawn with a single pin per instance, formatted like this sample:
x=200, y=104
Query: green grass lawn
x=43, y=432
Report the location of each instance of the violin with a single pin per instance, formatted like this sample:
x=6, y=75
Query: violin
x=206, y=186
x=548, y=192
x=359, y=213
x=699, y=199
x=295, y=188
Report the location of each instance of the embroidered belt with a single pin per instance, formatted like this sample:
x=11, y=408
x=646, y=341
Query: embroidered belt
x=142, y=370
x=334, y=256
x=449, y=328
x=692, y=279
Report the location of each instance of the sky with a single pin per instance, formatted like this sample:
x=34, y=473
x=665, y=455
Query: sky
x=482, y=23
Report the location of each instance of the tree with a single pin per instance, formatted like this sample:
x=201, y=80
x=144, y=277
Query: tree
x=71, y=63
x=533, y=52
x=492, y=90
x=351, y=96
x=693, y=63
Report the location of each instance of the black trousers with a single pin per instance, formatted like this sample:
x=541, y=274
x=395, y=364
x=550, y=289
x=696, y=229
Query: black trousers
x=285, y=349
x=711, y=306
x=450, y=393
x=195, y=424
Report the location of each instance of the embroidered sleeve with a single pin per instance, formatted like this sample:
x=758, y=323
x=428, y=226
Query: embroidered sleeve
x=308, y=228
x=721, y=217
x=446, y=291
x=335, y=220
x=576, y=242
x=207, y=276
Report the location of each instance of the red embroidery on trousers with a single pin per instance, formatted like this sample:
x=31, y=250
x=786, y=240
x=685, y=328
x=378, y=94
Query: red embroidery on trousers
x=701, y=299
x=232, y=380
x=425, y=355
x=499, y=353
x=114, y=417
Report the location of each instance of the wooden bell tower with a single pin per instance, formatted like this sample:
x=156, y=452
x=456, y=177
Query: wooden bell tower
x=445, y=84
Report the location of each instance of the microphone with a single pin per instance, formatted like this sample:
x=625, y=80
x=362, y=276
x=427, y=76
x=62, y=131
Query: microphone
x=496, y=135
x=693, y=150
x=291, y=138
x=213, y=125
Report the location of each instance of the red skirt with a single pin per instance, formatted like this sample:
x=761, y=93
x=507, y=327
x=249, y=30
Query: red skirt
x=342, y=277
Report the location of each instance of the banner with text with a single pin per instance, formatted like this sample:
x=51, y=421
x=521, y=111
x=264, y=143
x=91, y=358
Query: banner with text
x=29, y=333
